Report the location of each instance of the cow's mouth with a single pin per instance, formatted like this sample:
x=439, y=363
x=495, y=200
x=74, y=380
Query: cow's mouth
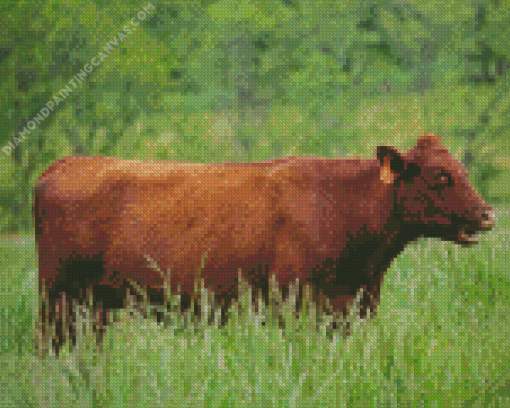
x=467, y=234
x=463, y=236
x=467, y=237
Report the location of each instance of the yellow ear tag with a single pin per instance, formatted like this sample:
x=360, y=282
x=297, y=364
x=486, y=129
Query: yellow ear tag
x=387, y=176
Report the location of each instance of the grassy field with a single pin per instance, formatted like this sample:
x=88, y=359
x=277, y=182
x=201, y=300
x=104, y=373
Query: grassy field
x=441, y=339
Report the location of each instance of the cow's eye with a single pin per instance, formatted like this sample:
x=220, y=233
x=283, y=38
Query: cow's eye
x=442, y=180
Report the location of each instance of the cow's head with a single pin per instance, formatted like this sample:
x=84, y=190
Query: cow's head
x=433, y=193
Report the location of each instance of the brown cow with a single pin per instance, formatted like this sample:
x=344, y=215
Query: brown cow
x=334, y=224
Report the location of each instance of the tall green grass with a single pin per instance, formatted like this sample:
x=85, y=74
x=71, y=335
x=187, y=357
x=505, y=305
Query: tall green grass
x=441, y=338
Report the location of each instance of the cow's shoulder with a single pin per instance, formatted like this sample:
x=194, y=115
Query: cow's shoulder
x=298, y=184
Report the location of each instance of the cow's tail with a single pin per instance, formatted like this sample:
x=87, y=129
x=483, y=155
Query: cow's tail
x=41, y=323
x=37, y=208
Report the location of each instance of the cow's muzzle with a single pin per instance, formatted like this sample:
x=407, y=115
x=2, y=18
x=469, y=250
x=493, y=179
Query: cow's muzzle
x=467, y=234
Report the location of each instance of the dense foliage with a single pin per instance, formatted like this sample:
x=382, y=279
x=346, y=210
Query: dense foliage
x=249, y=80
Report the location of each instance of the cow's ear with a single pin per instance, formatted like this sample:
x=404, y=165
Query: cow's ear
x=392, y=163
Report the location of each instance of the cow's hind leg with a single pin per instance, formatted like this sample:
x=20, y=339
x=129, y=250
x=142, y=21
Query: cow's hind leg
x=43, y=322
x=65, y=322
x=100, y=321
x=56, y=316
